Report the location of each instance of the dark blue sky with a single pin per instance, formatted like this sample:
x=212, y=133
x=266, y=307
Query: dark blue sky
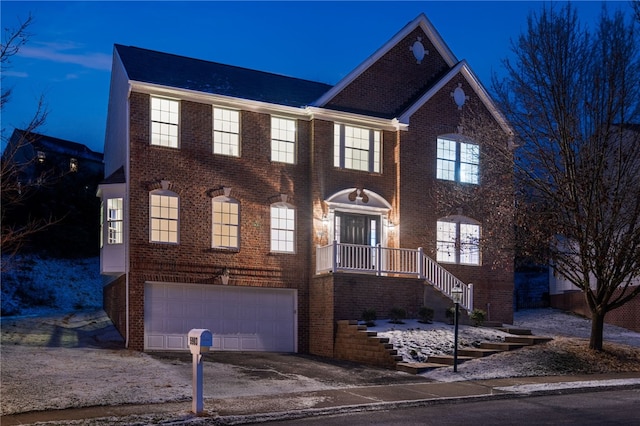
x=68, y=58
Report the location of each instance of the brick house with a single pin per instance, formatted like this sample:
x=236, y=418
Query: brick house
x=267, y=208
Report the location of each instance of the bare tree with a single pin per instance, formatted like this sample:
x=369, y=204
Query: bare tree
x=573, y=99
x=14, y=189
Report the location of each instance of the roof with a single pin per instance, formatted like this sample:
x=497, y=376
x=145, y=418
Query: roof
x=61, y=146
x=149, y=66
x=116, y=177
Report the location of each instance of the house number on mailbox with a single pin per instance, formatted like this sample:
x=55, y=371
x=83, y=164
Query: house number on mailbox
x=193, y=341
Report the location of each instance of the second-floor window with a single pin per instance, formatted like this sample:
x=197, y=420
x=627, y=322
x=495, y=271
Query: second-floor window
x=164, y=219
x=356, y=148
x=226, y=223
x=164, y=122
x=458, y=241
x=283, y=140
x=226, y=132
x=114, y=220
x=458, y=161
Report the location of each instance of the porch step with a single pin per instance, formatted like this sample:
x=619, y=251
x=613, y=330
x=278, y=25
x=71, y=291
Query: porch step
x=527, y=340
x=417, y=367
x=501, y=346
x=477, y=352
x=518, y=331
x=447, y=359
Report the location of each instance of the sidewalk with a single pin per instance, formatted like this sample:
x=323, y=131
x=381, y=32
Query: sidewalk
x=243, y=410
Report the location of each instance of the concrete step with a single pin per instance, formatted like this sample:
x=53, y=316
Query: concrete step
x=417, y=367
x=501, y=346
x=515, y=330
x=527, y=340
x=447, y=359
x=477, y=352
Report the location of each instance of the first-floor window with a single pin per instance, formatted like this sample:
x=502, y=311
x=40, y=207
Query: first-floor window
x=458, y=241
x=226, y=223
x=114, y=221
x=283, y=227
x=164, y=216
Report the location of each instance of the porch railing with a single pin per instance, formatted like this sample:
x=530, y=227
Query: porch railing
x=338, y=257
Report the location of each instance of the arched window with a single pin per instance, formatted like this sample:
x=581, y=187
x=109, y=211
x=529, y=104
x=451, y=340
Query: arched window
x=458, y=240
x=226, y=222
x=283, y=227
x=164, y=216
x=457, y=159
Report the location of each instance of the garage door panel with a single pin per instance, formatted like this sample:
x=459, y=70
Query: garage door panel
x=240, y=318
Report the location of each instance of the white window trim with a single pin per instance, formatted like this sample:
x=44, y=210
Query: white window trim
x=286, y=206
x=165, y=193
x=151, y=121
x=223, y=132
x=374, y=151
x=119, y=223
x=225, y=199
x=458, y=140
x=459, y=220
x=293, y=142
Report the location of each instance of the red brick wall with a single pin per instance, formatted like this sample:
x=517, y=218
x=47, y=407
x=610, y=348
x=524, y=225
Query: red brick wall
x=114, y=298
x=627, y=315
x=394, y=82
x=195, y=172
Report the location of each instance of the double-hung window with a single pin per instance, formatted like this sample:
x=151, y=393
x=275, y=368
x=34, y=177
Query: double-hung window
x=283, y=140
x=226, y=132
x=165, y=116
x=356, y=148
x=164, y=209
x=283, y=227
x=114, y=220
x=458, y=161
x=458, y=241
x=226, y=223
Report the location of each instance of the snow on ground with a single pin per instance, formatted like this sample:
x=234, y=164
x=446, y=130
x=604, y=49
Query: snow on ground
x=415, y=341
x=57, y=357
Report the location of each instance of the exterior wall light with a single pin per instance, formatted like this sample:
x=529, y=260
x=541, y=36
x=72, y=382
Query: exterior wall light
x=225, y=276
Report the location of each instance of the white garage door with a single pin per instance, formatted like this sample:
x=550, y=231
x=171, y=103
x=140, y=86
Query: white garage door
x=240, y=318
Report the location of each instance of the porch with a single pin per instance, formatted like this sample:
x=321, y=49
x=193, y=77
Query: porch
x=386, y=261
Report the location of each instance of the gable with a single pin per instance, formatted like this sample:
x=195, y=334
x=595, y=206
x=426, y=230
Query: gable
x=395, y=76
x=463, y=70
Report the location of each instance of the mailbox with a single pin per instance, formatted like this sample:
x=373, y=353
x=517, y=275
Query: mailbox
x=200, y=340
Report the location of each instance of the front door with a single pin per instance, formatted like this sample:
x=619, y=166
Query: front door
x=361, y=230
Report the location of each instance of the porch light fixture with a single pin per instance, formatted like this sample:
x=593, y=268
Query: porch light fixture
x=225, y=276
x=456, y=295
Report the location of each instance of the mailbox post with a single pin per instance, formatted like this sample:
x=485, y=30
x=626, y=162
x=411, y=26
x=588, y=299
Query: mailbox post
x=200, y=340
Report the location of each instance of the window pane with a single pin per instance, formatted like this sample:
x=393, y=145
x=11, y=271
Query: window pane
x=226, y=132
x=226, y=222
x=164, y=218
x=164, y=122
x=283, y=140
x=282, y=228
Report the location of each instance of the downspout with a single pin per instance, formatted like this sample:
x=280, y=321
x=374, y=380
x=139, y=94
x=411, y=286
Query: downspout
x=127, y=219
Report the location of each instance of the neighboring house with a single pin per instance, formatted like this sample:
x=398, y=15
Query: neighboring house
x=566, y=296
x=267, y=208
x=39, y=157
x=56, y=180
